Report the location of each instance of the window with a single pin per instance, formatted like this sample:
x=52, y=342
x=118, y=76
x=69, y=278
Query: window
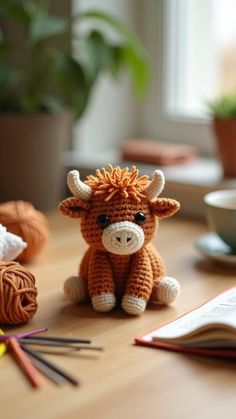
x=195, y=48
x=192, y=48
x=201, y=53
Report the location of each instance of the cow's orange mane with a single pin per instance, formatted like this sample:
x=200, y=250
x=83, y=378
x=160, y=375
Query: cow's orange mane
x=115, y=180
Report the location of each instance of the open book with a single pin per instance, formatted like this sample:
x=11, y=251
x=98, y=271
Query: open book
x=208, y=330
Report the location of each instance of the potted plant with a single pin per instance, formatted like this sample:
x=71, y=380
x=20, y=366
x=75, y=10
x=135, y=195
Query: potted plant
x=223, y=110
x=43, y=86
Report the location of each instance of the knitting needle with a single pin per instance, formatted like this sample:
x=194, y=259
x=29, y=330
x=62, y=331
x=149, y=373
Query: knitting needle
x=5, y=336
x=58, y=344
x=32, y=332
x=52, y=375
x=25, y=363
x=90, y=348
x=51, y=365
x=59, y=339
x=54, y=344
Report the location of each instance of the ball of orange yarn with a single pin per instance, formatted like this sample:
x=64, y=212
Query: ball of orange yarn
x=18, y=294
x=22, y=219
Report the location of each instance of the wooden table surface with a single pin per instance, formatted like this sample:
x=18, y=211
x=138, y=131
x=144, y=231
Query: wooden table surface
x=126, y=381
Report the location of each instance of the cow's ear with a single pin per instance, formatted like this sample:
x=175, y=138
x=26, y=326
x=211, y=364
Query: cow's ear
x=74, y=208
x=164, y=207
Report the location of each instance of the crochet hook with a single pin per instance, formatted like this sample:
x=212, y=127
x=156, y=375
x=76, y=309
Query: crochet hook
x=5, y=336
x=59, y=339
x=48, y=372
x=25, y=363
x=56, y=344
x=51, y=365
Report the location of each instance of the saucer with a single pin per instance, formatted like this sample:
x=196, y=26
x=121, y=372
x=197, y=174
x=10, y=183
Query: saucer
x=212, y=246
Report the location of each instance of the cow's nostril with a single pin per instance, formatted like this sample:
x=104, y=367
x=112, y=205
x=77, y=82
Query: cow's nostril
x=128, y=239
x=118, y=239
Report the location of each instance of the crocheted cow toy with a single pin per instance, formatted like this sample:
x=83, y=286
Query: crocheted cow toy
x=119, y=213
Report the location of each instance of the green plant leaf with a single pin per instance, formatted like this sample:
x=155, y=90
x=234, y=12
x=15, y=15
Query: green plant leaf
x=72, y=80
x=52, y=104
x=95, y=53
x=116, y=59
x=43, y=26
x=135, y=55
x=4, y=10
x=5, y=50
x=114, y=23
x=9, y=77
x=223, y=106
x=41, y=68
x=138, y=69
x=100, y=55
x=18, y=11
x=29, y=103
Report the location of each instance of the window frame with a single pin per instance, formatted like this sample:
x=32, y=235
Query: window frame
x=157, y=120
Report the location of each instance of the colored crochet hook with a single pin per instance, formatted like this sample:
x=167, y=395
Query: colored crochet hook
x=51, y=365
x=11, y=342
x=59, y=344
x=59, y=339
x=33, y=363
x=48, y=372
x=4, y=336
x=24, y=362
x=3, y=347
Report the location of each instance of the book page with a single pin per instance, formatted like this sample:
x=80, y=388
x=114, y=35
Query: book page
x=217, y=312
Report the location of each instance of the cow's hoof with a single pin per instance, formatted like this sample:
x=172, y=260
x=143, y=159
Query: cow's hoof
x=167, y=290
x=133, y=305
x=104, y=302
x=75, y=289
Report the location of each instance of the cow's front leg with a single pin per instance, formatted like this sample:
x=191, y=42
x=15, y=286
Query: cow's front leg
x=139, y=285
x=100, y=282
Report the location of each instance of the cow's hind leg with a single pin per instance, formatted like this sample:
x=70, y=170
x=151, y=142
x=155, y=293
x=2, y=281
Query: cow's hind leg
x=76, y=290
x=76, y=287
x=166, y=290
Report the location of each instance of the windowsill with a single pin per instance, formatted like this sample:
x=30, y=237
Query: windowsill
x=187, y=183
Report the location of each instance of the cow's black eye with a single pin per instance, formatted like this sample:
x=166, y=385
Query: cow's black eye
x=103, y=220
x=140, y=218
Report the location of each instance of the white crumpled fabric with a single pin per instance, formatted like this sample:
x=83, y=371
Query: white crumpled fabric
x=11, y=245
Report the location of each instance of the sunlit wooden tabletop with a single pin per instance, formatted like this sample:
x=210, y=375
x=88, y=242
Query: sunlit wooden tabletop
x=125, y=381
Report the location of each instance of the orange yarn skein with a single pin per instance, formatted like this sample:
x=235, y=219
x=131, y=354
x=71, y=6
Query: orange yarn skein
x=22, y=219
x=18, y=294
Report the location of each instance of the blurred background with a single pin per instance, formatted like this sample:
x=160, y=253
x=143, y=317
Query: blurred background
x=167, y=63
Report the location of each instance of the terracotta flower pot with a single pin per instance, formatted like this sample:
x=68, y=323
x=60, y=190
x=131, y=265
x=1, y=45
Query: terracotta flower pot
x=225, y=132
x=31, y=150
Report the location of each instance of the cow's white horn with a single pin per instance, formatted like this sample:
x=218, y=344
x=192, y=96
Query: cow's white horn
x=77, y=187
x=155, y=186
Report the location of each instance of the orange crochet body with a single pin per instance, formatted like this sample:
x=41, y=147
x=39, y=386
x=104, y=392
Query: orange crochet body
x=137, y=274
x=119, y=217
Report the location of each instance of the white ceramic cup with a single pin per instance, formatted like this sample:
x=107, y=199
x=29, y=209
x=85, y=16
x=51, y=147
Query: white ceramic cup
x=221, y=214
